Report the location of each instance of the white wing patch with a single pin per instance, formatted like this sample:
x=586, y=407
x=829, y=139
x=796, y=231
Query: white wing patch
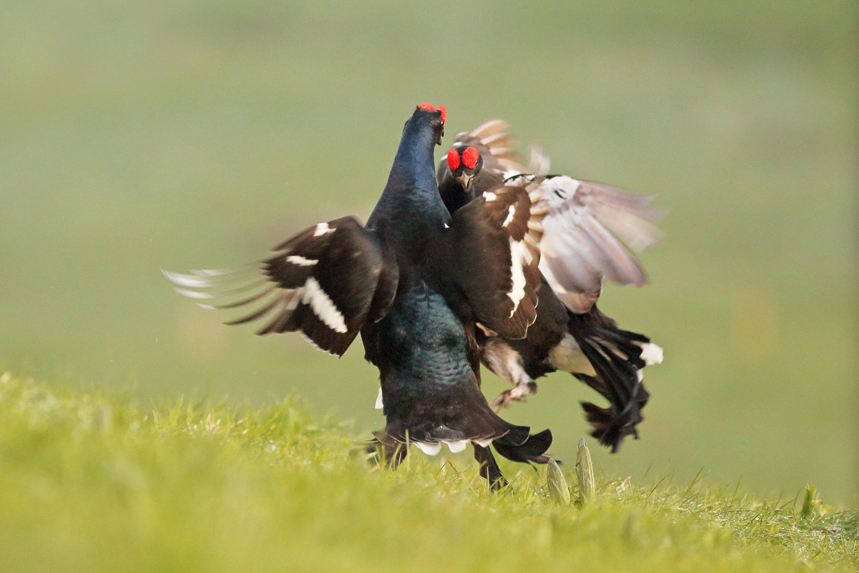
x=518, y=254
x=322, y=306
x=301, y=261
x=379, y=402
x=322, y=229
x=490, y=196
x=510, y=214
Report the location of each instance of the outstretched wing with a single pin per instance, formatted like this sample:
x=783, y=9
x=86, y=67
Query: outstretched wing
x=327, y=282
x=585, y=227
x=496, y=146
x=491, y=252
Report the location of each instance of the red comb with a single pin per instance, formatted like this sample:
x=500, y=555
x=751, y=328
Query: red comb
x=440, y=108
x=470, y=157
x=452, y=159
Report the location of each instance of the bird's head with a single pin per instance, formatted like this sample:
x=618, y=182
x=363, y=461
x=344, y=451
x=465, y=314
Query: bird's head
x=464, y=162
x=437, y=123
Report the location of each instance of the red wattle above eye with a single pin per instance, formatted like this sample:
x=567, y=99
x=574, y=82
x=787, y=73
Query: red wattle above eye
x=469, y=157
x=431, y=107
x=452, y=159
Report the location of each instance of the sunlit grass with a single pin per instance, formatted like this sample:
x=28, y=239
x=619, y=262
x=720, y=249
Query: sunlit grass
x=89, y=482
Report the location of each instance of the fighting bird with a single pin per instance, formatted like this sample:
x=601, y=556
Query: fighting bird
x=418, y=283
x=581, y=223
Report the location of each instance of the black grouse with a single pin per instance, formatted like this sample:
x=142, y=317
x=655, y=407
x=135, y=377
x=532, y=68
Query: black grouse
x=577, y=249
x=415, y=282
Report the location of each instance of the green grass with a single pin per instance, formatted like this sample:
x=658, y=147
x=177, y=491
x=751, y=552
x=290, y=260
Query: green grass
x=89, y=482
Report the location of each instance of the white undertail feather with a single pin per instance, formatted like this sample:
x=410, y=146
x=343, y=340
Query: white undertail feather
x=457, y=446
x=651, y=353
x=483, y=443
x=429, y=449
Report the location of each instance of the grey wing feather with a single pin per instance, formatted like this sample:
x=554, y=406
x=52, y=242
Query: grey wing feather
x=497, y=147
x=585, y=228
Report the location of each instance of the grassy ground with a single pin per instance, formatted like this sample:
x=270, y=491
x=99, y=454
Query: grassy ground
x=90, y=483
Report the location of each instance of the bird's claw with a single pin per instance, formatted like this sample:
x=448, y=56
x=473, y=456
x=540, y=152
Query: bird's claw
x=516, y=394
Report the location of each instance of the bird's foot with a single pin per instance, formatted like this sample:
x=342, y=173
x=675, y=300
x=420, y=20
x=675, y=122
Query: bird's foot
x=384, y=450
x=516, y=394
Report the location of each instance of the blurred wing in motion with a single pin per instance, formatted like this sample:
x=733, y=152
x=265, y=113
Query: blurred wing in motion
x=587, y=226
x=496, y=146
x=585, y=230
x=326, y=282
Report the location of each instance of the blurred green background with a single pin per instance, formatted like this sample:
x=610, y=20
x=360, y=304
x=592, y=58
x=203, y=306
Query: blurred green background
x=192, y=134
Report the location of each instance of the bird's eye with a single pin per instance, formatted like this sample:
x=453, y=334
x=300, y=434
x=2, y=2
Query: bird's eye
x=469, y=157
x=453, y=159
x=440, y=108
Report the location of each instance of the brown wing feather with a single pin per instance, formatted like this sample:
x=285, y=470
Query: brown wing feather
x=494, y=239
x=326, y=281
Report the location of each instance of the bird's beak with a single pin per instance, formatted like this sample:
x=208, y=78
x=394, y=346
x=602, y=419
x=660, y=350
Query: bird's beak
x=439, y=134
x=464, y=179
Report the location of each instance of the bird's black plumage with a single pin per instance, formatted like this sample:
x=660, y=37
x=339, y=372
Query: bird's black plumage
x=572, y=335
x=425, y=346
x=399, y=282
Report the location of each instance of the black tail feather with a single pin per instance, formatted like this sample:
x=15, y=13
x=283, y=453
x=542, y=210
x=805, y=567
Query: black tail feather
x=615, y=355
x=532, y=450
x=613, y=424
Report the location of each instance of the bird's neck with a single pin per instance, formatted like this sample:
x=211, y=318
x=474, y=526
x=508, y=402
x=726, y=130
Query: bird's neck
x=410, y=210
x=412, y=176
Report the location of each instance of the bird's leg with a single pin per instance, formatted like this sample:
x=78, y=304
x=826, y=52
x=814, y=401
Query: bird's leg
x=517, y=393
x=489, y=469
x=389, y=452
x=506, y=362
